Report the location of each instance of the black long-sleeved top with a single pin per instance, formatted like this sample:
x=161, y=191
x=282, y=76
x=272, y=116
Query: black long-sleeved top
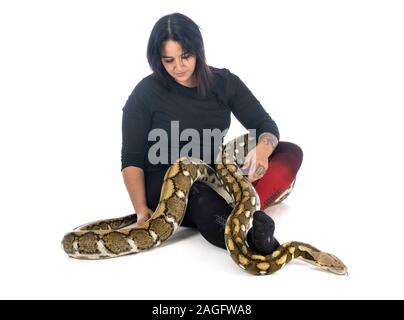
x=151, y=106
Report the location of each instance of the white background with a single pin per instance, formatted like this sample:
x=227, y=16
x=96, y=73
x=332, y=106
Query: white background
x=330, y=73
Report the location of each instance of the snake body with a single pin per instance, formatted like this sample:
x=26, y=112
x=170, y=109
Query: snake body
x=121, y=236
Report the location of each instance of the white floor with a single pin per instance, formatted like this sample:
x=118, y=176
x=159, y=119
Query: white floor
x=342, y=219
x=330, y=74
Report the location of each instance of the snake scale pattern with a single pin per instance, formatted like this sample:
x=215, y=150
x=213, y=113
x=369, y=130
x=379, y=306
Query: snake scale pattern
x=121, y=236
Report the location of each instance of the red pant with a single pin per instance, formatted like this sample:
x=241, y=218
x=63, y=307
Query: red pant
x=278, y=181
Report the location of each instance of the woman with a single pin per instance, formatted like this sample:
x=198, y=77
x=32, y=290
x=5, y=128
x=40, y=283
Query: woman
x=183, y=92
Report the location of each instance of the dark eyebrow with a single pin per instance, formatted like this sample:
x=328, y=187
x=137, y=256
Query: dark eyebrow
x=172, y=57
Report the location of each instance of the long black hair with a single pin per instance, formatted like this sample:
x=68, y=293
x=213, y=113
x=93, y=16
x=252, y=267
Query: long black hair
x=179, y=28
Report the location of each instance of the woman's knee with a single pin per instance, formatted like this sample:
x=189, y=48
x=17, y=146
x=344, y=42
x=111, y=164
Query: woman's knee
x=288, y=154
x=290, y=148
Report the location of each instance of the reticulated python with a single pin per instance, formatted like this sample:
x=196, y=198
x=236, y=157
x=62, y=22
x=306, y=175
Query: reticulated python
x=121, y=236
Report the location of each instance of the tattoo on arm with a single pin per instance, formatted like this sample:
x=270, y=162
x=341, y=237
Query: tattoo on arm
x=268, y=139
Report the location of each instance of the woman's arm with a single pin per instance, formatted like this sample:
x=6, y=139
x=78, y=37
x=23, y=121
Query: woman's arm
x=268, y=142
x=257, y=158
x=249, y=111
x=136, y=121
x=135, y=184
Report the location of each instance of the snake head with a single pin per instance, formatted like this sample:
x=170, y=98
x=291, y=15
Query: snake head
x=329, y=262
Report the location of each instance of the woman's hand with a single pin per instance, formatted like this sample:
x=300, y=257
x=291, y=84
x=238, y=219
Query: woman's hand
x=143, y=214
x=257, y=160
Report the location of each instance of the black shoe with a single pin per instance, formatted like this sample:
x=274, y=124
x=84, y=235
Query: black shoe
x=261, y=236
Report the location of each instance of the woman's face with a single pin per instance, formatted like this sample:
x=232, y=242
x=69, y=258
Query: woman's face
x=178, y=64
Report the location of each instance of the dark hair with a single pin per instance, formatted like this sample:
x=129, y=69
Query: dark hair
x=179, y=28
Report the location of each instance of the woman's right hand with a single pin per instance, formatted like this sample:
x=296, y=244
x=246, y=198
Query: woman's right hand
x=143, y=214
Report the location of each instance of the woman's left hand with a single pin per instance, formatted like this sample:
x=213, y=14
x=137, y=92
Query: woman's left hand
x=257, y=160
